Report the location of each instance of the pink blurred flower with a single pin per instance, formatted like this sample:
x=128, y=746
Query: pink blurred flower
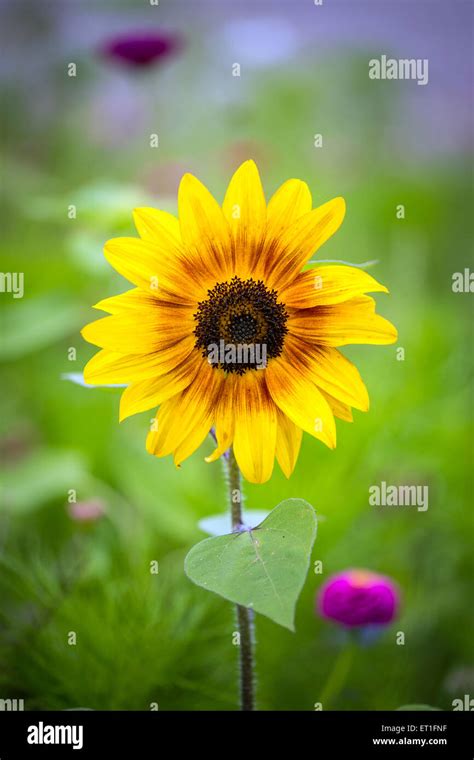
x=142, y=49
x=86, y=511
x=359, y=598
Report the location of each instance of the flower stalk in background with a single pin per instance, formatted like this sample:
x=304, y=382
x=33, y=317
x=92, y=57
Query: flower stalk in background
x=226, y=330
x=360, y=601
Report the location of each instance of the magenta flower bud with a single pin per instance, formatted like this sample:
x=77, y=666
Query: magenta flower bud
x=141, y=49
x=356, y=598
x=86, y=511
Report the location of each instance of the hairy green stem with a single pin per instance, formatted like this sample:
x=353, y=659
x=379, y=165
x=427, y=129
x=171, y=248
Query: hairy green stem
x=244, y=614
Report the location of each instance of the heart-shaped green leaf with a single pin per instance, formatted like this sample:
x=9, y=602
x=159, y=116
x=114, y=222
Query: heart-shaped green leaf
x=263, y=568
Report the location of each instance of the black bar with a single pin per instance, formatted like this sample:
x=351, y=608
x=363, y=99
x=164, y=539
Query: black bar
x=166, y=734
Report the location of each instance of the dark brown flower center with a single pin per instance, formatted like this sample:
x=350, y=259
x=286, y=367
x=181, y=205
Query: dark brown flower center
x=240, y=325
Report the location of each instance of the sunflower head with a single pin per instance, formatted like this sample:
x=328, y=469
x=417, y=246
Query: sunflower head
x=237, y=314
x=226, y=329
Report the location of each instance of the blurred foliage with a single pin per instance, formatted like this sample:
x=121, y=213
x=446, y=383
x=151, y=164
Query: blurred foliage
x=144, y=638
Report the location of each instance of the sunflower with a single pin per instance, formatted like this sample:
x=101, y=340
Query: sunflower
x=224, y=332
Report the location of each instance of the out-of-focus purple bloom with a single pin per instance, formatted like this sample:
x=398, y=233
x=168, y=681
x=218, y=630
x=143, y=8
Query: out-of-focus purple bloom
x=142, y=49
x=86, y=511
x=359, y=598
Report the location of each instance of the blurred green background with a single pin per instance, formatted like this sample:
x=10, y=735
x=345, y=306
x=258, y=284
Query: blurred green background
x=85, y=141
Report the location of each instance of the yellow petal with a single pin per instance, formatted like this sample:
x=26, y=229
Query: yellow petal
x=136, y=299
x=141, y=331
x=224, y=417
x=155, y=225
x=300, y=241
x=298, y=397
x=353, y=321
x=340, y=410
x=329, y=370
x=161, y=227
x=291, y=200
x=288, y=443
x=186, y=412
x=204, y=229
x=193, y=440
x=255, y=427
x=123, y=334
x=245, y=210
x=329, y=285
x=137, y=305
x=149, y=393
x=154, y=267
x=107, y=367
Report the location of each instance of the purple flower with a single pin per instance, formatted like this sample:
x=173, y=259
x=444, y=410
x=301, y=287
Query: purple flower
x=141, y=49
x=358, y=598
